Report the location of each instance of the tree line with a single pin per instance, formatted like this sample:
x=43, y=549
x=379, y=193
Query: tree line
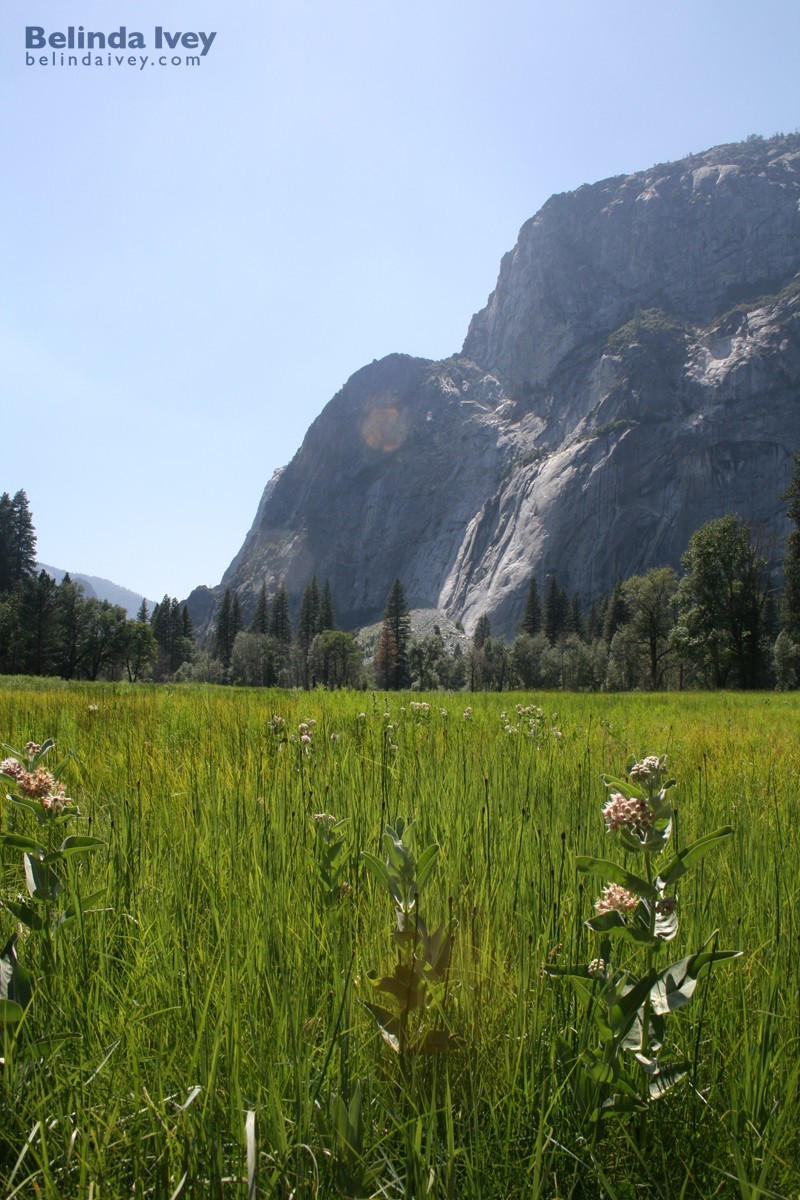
x=720, y=623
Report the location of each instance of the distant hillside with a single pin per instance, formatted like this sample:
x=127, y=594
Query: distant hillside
x=101, y=589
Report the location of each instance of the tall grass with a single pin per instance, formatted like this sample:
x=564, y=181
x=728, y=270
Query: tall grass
x=214, y=981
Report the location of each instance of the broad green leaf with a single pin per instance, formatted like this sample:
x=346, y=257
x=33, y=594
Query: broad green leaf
x=622, y=1013
x=25, y=915
x=8, y=966
x=580, y=972
x=597, y=1069
x=42, y=882
x=71, y=912
x=675, y=986
x=604, y=868
x=666, y=927
x=609, y=922
x=681, y=863
x=378, y=868
x=388, y=1025
x=439, y=949
x=15, y=981
x=624, y=786
x=73, y=845
x=437, y=1041
x=426, y=864
x=15, y=841
x=33, y=806
x=10, y=1012
x=666, y=1078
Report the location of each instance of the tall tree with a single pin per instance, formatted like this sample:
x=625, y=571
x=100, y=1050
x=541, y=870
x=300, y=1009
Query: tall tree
x=394, y=640
x=280, y=622
x=556, y=610
x=650, y=600
x=616, y=612
x=17, y=541
x=531, y=622
x=70, y=615
x=483, y=630
x=260, y=621
x=721, y=601
x=307, y=627
x=224, y=634
x=327, y=613
x=37, y=605
x=790, y=606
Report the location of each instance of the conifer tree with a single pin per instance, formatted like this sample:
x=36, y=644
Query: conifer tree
x=17, y=541
x=790, y=605
x=483, y=630
x=260, y=621
x=394, y=640
x=327, y=614
x=556, y=606
x=531, y=622
x=280, y=623
x=617, y=612
x=223, y=631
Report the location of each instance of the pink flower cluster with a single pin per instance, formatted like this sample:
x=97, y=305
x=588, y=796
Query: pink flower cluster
x=616, y=899
x=624, y=812
x=36, y=785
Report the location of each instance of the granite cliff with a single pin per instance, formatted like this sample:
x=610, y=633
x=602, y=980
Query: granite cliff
x=635, y=372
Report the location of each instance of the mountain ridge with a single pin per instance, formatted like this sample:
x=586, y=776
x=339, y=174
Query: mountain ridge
x=633, y=374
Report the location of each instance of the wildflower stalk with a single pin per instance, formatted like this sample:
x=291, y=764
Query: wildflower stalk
x=636, y=911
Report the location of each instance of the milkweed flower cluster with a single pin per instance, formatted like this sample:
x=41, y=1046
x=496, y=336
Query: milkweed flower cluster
x=624, y=812
x=616, y=899
x=36, y=785
x=649, y=773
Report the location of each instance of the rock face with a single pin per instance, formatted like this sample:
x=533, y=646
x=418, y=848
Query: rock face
x=635, y=373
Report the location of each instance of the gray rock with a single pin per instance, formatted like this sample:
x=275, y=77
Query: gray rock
x=635, y=373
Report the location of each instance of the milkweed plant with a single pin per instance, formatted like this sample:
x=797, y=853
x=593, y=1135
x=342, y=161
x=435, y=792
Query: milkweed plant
x=52, y=902
x=411, y=1015
x=618, y=1066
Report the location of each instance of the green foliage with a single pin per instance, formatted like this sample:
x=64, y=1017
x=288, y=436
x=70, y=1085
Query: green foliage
x=412, y=1015
x=218, y=983
x=647, y=323
x=391, y=652
x=721, y=601
x=628, y=1011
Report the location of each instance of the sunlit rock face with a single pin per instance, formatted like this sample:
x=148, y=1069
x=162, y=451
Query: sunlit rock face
x=635, y=373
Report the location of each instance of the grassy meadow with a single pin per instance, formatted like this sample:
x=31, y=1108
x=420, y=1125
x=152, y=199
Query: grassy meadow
x=202, y=1030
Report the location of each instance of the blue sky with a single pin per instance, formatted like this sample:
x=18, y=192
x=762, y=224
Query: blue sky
x=195, y=259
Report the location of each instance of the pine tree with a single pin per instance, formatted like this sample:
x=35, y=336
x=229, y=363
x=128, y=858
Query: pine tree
x=556, y=607
x=531, y=622
x=280, y=624
x=575, y=616
x=223, y=637
x=70, y=618
x=790, y=604
x=617, y=613
x=260, y=621
x=327, y=614
x=237, y=623
x=17, y=541
x=482, y=631
x=396, y=635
